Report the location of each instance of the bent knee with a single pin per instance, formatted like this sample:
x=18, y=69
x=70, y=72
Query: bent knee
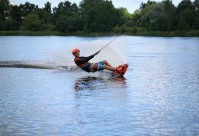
x=105, y=61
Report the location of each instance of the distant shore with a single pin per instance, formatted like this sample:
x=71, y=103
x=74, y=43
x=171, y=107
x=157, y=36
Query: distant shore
x=192, y=33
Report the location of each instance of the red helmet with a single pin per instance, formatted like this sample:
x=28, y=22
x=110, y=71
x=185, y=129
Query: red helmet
x=75, y=50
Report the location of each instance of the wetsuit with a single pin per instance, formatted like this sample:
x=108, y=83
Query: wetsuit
x=83, y=63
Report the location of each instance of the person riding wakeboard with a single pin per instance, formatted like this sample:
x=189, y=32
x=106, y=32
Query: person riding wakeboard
x=84, y=64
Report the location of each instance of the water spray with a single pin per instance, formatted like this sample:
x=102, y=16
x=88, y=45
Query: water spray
x=108, y=43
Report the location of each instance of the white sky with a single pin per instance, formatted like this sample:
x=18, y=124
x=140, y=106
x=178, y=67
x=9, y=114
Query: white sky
x=131, y=5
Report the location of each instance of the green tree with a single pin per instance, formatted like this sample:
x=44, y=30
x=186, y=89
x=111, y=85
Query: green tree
x=186, y=19
x=15, y=18
x=28, y=8
x=67, y=18
x=158, y=16
x=4, y=7
x=186, y=15
x=169, y=13
x=99, y=15
x=196, y=4
x=135, y=18
x=143, y=5
x=11, y=24
x=196, y=19
x=123, y=16
x=32, y=22
x=185, y=4
x=65, y=9
x=150, y=14
x=69, y=24
x=43, y=15
x=47, y=7
x=15, y=13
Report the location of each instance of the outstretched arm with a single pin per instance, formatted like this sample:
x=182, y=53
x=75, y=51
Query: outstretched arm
x=82, y=60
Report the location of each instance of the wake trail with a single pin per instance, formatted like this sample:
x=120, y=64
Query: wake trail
x=62, y=58
x=33, y=65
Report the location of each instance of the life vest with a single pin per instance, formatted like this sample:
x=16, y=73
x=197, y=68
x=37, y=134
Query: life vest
x=83, y=63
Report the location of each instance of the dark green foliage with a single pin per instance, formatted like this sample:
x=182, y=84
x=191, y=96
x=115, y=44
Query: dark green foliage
x=32, y=22
x=4, y=10
x=164, y=16
x=186, y=15
x=143, y=5
x=100, y=16
x=27, y=8
x=47, y=7
x=67, y=18
x=69, y=24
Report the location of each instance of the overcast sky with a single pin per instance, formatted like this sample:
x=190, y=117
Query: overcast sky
x=131, y=5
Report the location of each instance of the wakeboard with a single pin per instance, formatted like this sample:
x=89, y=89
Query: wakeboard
x=121, y=70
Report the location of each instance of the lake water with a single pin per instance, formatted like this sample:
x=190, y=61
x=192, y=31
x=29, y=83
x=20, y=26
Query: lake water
x=160, y=95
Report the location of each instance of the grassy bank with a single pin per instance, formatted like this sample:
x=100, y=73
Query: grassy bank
x=29, y=33
x=125, y=31
x=167, y=33
x=140, y=31
x=52, y=33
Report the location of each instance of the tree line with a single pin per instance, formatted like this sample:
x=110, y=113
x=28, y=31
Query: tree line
x=164, y=16
x=99, y=16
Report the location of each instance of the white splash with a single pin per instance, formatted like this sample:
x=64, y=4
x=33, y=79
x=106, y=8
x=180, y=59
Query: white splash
x=113, y=53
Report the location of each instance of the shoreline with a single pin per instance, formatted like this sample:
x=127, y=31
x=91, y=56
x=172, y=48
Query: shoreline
x=192, y=33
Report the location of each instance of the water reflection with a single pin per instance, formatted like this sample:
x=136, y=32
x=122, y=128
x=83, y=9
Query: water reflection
x=96, y=83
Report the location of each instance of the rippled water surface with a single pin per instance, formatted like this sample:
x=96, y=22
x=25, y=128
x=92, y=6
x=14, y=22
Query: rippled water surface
x=160, y=95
